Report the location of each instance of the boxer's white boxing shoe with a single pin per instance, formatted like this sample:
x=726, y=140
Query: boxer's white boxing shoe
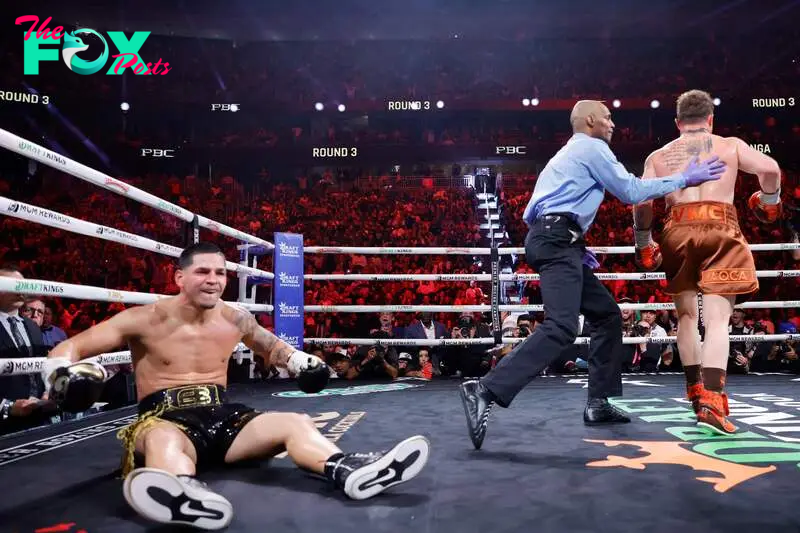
x=364, y=475
x=169, y=499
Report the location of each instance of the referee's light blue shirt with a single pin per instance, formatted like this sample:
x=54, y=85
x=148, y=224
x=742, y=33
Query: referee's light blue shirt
x=576, y=178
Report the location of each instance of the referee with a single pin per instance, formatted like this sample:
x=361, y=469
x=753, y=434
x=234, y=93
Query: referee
x=565, y=201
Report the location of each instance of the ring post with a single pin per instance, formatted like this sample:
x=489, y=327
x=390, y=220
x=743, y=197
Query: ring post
x=494, y=258
x=244, y=257
x=287, y=288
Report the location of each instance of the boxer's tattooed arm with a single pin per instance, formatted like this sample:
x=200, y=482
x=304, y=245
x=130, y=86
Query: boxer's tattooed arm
x=261, y=341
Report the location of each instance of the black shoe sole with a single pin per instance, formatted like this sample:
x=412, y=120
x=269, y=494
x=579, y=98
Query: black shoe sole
x=477, y=440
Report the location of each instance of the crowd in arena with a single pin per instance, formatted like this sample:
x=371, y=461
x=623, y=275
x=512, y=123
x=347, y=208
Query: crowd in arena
x=399, y=217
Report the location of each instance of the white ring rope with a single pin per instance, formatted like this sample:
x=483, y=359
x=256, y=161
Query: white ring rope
x=382, y=250
x=54, y=219
x=33, y=365
x=656, y=306
x=29, y=149
x=37, y=287
x=631, y=276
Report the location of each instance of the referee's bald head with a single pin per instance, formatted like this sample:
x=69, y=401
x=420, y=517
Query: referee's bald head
x=593, y=118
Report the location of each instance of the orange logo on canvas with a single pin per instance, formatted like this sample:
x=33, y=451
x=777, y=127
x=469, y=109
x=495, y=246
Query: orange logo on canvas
x=673, y=453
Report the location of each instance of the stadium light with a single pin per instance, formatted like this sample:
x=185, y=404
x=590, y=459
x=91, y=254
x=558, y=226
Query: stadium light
x=341, y=108
x=655, y=104
x=717, y=101
x=526, y=102
x=125, y=106
x=616, y=103
x=440, y=104
x=535, y=101
x=318, y=106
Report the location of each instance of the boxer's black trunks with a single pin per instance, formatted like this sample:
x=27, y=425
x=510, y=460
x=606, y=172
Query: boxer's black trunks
x=202, y=413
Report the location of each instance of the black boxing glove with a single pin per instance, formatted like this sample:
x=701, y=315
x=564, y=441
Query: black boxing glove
x=74, y=387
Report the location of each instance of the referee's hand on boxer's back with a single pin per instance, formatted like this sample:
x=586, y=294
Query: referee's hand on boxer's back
x=709, y=170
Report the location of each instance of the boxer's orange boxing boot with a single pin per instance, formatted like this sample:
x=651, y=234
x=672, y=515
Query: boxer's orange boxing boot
x=713, y=413
x=693, y=394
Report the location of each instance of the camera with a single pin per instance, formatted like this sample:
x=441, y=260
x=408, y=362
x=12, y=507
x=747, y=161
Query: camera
x=524, y=330
x=641, y=331
x=465, y=324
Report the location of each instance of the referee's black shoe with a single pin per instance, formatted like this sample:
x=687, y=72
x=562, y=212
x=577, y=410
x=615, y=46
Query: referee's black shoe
x=478, y=402
x=599, y=412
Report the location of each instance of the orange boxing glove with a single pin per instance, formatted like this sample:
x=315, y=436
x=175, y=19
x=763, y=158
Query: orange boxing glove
x=766, y=207
x=648, y=252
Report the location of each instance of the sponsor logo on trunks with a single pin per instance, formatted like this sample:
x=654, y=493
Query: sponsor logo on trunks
x=289, y=281
x=288, y=310
x=767, y=439
x=289, y=250
x=703, y=212
x=349, y=391
x=728, y=275
x=37, y=287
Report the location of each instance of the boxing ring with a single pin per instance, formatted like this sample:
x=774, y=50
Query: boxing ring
x=660, y=472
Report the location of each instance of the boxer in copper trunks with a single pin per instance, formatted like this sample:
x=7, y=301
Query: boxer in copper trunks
x=704, y=249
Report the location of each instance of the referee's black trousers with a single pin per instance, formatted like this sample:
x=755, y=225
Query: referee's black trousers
x=555, y=249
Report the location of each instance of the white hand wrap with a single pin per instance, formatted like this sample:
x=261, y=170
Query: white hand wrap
x=771, y=198
x=300, y=361
x=644, y=238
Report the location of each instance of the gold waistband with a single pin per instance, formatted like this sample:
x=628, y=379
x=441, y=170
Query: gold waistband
x=184, y=397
